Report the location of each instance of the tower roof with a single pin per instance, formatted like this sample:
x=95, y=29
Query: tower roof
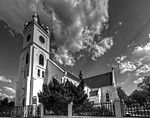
x=36, y=20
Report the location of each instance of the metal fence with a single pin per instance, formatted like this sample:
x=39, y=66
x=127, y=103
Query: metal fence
x=20, y=111
x=136, y=110
x=56, y=111
x=6, y=112
x=100, y=109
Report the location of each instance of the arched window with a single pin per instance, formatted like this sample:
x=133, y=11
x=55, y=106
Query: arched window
x=107, y=97
x=27, y=58
x=23, y=102
x=41, y=60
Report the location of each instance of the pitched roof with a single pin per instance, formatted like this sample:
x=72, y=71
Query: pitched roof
x=99, y=81
x=72, y=76
x=68, y=74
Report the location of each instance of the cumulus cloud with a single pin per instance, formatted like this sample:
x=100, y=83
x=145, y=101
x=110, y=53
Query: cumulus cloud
x=98, y=49
x=142, y=49
x=74, y=23
x=120, y=59
x=127, y=66
x=63, y=56
x=138, y=80
x=142, y=53
x=4, y=95
x=5, y=79
x=76, y=27
x=143, y=69
x=9, y=89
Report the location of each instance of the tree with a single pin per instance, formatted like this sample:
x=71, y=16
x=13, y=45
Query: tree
x=144, y=86
x=138, y=96
x=121, y=93
x=4, y=102
x=56, y=95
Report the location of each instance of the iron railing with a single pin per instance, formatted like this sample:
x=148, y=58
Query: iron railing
x=56, y=111
x=135, y=109
x=6, y=111
x=20, y=111
x=100, y=109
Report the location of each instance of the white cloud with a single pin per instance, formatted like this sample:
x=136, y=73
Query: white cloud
x=149, y=35
x=143, y=69
x=120, y=59
x=138, y=80
x=70, y=18
x=64, y=57
x=142, y=49
x=142, y=53
x=127, y=66
x=9, y=89
x=3, y=95
x=99, y=49
x=5, y=79
x=80, y=56
x=84, y=20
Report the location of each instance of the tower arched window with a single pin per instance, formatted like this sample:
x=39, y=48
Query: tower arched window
x=27, y=58
x=107, y=97
x=23, y=102
x=41, y=60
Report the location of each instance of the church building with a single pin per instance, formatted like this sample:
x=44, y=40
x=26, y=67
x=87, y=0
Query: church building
x=36, y=67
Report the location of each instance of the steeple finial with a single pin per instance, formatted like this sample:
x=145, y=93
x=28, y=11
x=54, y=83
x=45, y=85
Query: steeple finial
x=35, y=17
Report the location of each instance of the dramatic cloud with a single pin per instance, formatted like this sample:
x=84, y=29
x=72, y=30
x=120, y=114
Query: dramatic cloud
x=75, y=24
x=9, y=89
x=143, y=69
x=142, y=49
x=97, y=50
x=142, y=53
x=63, y=56
x=138, y=80
x=5, y=79
x=3, y=95
x=120, y=59
x=75, y=28
x=127, y=66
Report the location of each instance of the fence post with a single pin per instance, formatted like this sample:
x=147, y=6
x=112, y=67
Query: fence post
x=117, y=104
x=42, y=110
x=70, y=110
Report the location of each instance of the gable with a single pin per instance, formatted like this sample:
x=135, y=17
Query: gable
x=56, y=71
x=53, y=71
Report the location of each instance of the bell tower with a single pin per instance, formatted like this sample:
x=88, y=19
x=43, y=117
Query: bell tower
x=33, y=60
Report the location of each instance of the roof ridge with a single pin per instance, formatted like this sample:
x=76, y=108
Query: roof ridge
x=56, y=65
x=63, y=68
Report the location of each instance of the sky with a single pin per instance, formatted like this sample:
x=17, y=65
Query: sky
x=88, y=35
